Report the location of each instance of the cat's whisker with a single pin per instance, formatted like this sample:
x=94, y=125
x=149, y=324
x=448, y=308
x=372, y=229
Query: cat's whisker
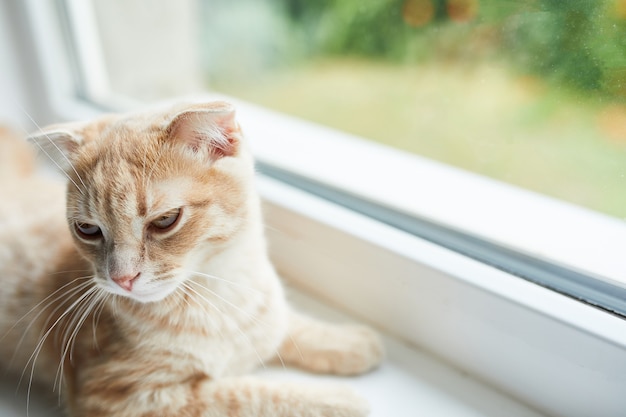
x=45, y=335
x=236, y=284
x=96, y=317
x=72, y=270
x=250, y=316
x=59, y=150
x=114, y=306
x=81, y=314
x=182, y=297
x=185, y=296
x=32, y=360
x=59, y=166
x=247, y=314
x=69, y=295
x=65, y=295
x=224, y=316
x=69, y=325
x=190, y=294
x=78, y=311
x=72, y=327
x=40, y=303
x=88, y=305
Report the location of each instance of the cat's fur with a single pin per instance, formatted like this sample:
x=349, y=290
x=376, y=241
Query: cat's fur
x=193, y=309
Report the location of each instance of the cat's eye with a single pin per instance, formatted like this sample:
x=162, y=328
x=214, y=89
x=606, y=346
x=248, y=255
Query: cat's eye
x=166, y=221
x=88, y=231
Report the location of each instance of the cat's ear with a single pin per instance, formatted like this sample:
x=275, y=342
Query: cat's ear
x=207, y=129
x=57, y=144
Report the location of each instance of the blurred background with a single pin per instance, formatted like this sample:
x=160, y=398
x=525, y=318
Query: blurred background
x=529, y=92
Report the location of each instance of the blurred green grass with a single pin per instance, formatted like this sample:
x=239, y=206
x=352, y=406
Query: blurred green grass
x=481, y=118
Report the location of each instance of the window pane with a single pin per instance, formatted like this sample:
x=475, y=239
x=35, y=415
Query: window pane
x=531, y=93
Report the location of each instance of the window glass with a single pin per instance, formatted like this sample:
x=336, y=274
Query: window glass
x=530, y=92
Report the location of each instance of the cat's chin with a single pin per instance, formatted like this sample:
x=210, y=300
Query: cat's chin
x=146, y=294
x=149, y=297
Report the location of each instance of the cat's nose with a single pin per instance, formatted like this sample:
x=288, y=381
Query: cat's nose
x=126, y=281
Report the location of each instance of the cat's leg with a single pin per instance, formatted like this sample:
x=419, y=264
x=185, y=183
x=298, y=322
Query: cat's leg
x=328, y=348
x=126, y=395
x=250, y=397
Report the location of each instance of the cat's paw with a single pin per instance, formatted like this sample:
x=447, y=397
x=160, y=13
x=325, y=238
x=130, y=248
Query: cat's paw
x=338, y=401
x=348, y=350
x=250, y=397
x=341, y=350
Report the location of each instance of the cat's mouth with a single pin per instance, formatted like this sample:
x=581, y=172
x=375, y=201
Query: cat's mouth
x=141, y=287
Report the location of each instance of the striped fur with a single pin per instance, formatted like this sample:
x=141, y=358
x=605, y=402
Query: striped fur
x=204, y=307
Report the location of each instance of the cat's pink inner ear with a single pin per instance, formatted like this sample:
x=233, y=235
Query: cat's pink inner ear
x=212, y=129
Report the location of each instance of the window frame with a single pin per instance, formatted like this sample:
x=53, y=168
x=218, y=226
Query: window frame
x=470, y=314
x=570, y=249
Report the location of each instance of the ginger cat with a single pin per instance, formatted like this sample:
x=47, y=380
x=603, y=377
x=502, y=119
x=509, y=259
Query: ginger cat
x=159, y=297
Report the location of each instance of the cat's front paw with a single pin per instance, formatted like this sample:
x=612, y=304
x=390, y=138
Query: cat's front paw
x=337, y=401
x=250, y=397
x=347, y=350
x=336, y=349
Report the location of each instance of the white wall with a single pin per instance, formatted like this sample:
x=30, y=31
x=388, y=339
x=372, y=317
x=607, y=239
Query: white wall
x=150, y=47
x=13, y=94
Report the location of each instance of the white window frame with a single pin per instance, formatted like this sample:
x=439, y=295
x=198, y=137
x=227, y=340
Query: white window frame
x=557, y=354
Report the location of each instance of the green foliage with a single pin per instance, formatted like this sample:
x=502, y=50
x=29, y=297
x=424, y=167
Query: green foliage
x=579, y=44
x=571, y=42
x=354, y=27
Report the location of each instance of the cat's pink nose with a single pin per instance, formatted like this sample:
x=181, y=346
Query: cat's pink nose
x=126, y=281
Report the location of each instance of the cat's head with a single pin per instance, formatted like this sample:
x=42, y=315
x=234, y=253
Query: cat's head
x=152, y=195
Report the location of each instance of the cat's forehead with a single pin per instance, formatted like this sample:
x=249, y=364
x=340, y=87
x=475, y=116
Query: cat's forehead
x=126, y=189
x=162, y=195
